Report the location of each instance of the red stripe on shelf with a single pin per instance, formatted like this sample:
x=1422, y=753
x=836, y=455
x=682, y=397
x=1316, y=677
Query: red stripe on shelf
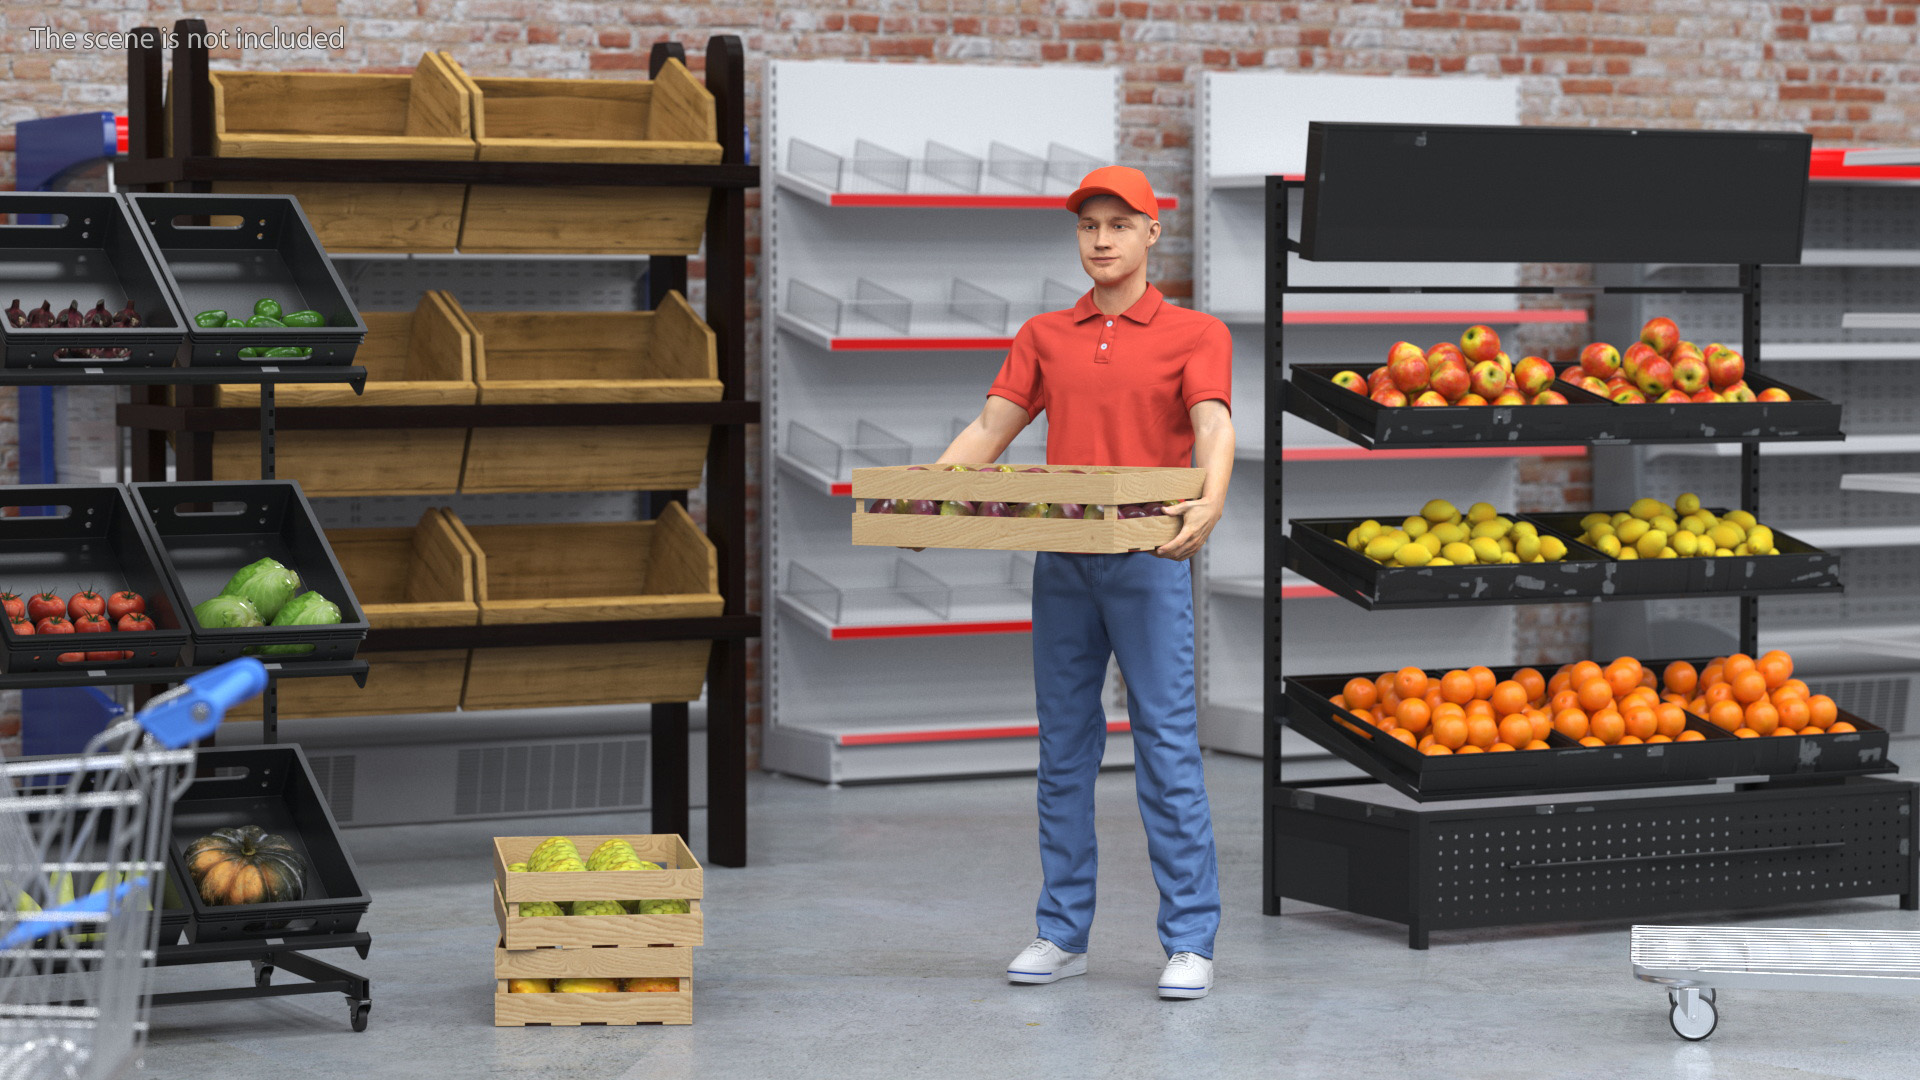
x=983, y=202
x=1303, y=592
x=917, y=343
x=1831, y=164
x=1369, y=318
x=1011, y=731
x=1015, y=626
x=1361, y=454
x=840, y=489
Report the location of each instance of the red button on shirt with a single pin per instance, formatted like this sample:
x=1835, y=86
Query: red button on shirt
x=1116, y=390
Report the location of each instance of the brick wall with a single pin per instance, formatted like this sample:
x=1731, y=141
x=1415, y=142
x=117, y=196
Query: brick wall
x=1847, y=72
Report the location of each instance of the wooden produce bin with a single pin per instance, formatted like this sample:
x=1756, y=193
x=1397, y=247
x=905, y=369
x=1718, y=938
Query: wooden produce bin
x=424, y=116
x=1109, y=487
x=601, y=571
x=596, y=946
x=563, y=358
x=668, y=120
x=419, y=357
x=403, y=578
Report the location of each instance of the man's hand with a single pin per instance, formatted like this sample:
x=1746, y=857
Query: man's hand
x=1197, y=519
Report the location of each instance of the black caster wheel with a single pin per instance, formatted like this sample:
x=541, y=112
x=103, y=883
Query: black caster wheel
x=1694, y=1014
x=263, y=974
x=359, y=1011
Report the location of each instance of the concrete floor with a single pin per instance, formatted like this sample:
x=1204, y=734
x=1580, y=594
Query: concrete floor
x=868, y=937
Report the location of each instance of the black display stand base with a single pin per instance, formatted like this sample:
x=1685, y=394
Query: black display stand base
x=286, y=955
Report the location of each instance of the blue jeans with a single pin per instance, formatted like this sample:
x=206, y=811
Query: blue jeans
x=1139, y=608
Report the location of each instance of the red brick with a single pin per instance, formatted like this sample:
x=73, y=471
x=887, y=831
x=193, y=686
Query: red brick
x=1493, y=22
x=1430, y=20
x=1586, y=86
x=1216, y=57
x=1820, y=15
x=1178, y=289
x=1318, y=38
x=1859, y=112
x=1175, y=140
x=969, y=26
x=616, y=39
x=1513, y=65
x=1621, y=48
x=1554, y=45
x=863, y=24
x=1858, y=93
x=1053, y=50
x=1793, y=14
x=1420, y=63
x=1251, y=58
x=1139, y=97
x=1104, y=31
x=1091, y=52
x=1230, y=13
x=1579, y=67
x=616, y=62
x=1618, y=66
x=1566, y=5
x=1790, y=33
x=1797, y=74
x=1813, y=92
x=902, y=46
x=1876, y=16
x=1453, y=63
x=1133, y=11
x=542, y=35
x=1904, y=17
x=1822, y=131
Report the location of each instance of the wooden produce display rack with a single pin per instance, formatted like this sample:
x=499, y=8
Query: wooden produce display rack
x=630, y=946
x=201, y=141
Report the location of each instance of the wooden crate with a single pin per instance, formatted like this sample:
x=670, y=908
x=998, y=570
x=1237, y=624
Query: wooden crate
x=651, y=962
x=403, y=578
x=680, y=877
x=575, y=1010
x=419, y=357
x=637, y=457
x=668, y=120
x=424, y=116
x=571, y=357
x=593, y=931
x=615, y=673
x=1107, y=487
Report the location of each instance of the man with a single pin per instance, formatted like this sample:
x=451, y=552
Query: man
x=1126, y=379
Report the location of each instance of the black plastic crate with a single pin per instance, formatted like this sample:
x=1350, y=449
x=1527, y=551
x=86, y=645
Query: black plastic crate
x=1583, y=418
x=273, y=253
x=272, y=787
x=207, y=530
x=1568, y=766
x=1317, y=549
x=1806, y=416
x=66, y=538
x=91, y=251
x=1800, y=567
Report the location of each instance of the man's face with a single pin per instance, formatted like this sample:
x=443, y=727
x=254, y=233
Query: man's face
x=1114, y=239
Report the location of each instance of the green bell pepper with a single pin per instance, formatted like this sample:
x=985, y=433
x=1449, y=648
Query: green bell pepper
x=288, y=352
x=236, y=324
x=269, y=308
x=252, y=354
x=304, y=318
x=210, y=320
x=265, y=320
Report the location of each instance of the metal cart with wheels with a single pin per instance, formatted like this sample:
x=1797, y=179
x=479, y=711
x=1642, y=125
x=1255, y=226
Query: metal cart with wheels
x=1693, y=962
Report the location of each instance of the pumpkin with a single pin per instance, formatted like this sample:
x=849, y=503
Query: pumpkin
x=247, y=865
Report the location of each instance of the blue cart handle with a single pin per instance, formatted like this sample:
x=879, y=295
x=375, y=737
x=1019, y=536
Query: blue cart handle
x=189, y=712
x=38, y=924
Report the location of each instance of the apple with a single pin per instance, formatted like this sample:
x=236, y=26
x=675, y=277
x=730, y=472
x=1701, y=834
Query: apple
x=1428, y=399
x=1661, y=335
x=1686, y=348
x=1404, y=350
x=1549, y=397
x=1471, y=399
x=1350, y=380
x=1409, y=371
x=1480, y=343
x=1378, y=378
x=1655, y=378
x=1599, y=360
x=1510, y=397
x=1689, y=373
x=1636, y=354
x=1504, y=361
x=1774, y=393
x=1489, y=378
x=1593, y=386
x=1627, y=395
x=1573, y=373
x=1533, y=374
x=1740, y=392
x=1705, y=397
x=1446, y=350
x=1387, y=396
x=956, y=508
x=1075, y=510
x=1031, y=510
x=1674, y=397
x=1725, y=368
x=1451, y=380
x=1003, y=467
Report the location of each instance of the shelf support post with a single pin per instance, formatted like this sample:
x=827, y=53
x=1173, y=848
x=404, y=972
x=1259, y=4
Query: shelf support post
x=668, y=273
x=1750, y=452
x=266, y=430
x=192, y=98
x=1273, y=704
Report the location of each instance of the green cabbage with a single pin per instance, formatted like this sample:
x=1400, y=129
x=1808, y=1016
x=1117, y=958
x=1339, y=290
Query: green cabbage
x=307, y=609
x=227, y=611
x=242, y=575
x=268, y=590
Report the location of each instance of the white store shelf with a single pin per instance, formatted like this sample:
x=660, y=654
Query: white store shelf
x=1408, y=317
x=1852, y=444
x=917, y=603
x=1859, y=536
x=1888, y=483
x=1841, y=350
x=1880, y=320
x=1859, y=257
x=973, y=746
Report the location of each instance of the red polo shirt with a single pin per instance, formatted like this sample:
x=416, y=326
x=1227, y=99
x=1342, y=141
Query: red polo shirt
x=1116, y=390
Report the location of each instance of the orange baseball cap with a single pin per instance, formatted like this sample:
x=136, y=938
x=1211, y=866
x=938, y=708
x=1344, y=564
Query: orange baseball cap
x=1130, y=186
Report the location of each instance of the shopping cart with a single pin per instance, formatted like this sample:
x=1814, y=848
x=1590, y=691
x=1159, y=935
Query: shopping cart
x=1692, y=962
x=74, y=970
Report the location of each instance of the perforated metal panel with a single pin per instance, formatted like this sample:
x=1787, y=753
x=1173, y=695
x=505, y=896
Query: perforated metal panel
x=1879, y=699
x=559, y=776
x=517, y=283
x=1608, y=861
x=335, y=775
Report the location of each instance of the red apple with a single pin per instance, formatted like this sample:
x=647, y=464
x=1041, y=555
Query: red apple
x=1661, y=334
x=1573, y=373
x=1689, y=373
x=1725, y=368
x=1428, y=399
x=1350, y=380
x=1504, y=361
x=1480, y=343
x=1510, y=397
x=1686, y=348
x=1550, y=397
x=1446, y=350
x=1599, y=359
x=1774, y=393
x=1593, y=386
x=1636, y=354
x=1713, y=349
x=1655, y=378
x=1674, y=397
x=1404, y=350
x=1389, y=397
x=1471, y=399
x=1409, y=371
x=1705, y=397
x=1533, y=374
x=1740, y=392
x=1627, y=395
x=1378, y=378
x=1451, y=380
x=1489, y=378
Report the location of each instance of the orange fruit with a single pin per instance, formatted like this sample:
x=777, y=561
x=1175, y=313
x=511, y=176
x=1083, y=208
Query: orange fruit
x=1762, y=717
x=1745, y=733
x=1824, y=711
x=1361, y=693
x=1471, y=749
x=1561, y=680
x=1839, y=726
x=1457, y=686
x=1571, y=722
x=1404, y=736
x=1432, y=696
x=1711, y=674
x=1534, y=683
x=1669, y=720
x=1797, y=686
x=1784, y=731
x=1450, y=732
x=1591, y=741
x=1674, y=699
x=1479, y=707
x=1425, y=741
x=1565, y=699
x=1538, y=744
x=1726, y=715
x=1718, y=693
x=1608, y=727
x=1641, y=695
x=1794, y=713
x=1582, y=671
x=1749, y=687
x=1482, y=731
x=1508, y=698
x=1641, y=722
x=1690, y=735
x=1412, y=715
x=1410, y=682
x=1483, y=681
x=1595, y=694
x=1737, y=665
x=1622, y=678
x=1388, y=705
x=1448, y=708
x=1339, y=701
x=1383, y=685
x=1776, y=663
x=1539, y=723
x=1436, y=750
x=1680, y=677
x=1630, y=740
x=1516, y=730
x=1499, y=748
x=1652, y=739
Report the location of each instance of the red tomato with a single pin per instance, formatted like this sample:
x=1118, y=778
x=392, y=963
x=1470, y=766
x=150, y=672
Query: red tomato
x=135, y=620
x=94, y=623
x=42, y=605
x=95, y=657
x=20, y=624
x=71, y=657
x=86, y=602
x=53, y=624
x=123, y=603
x=13, y=604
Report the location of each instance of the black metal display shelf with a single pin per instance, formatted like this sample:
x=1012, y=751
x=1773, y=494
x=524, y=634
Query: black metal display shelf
x=42, y=680
x=107, y=375
x=176, y=170
x=334, y=418
x=266, y=957
x=714, y=628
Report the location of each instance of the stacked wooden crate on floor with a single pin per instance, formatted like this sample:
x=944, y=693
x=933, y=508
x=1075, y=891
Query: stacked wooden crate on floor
x=535, y=950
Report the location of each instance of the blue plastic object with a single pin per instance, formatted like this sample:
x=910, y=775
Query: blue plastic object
x=190, y=712
x=43, y=149
x=61, y=720
x=35, y=925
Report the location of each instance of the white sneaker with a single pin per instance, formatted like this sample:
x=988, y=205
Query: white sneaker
x=1045, y=962
x=1187, y=975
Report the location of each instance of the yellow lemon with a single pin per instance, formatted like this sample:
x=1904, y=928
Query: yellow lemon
x=1439, y=560
x=1668, y=553
x=1646, y=509
x=1486, y=549
x=1526, y=528
x=1527, y=547
x=1438, y=510
x=1687, y=503
x=1381, y=548
x=1450, y=532
x=1665, y=524
x=1627, y=554
x=1415, y=527
x=1414, y=554
x=1721, y=553
x=1632, y=531
x=1651, y=543
x=1496, y=528
x=1727, y=534
x=1741, y=518
x=1609, y=546
x=1686, y=544
x=1458, y=554
x=1605, y=528
x=1587, y=523
x=1430, y=542
x=1552, y=548
x=1480, y=512
x=1760, y=540
x=1508, y=558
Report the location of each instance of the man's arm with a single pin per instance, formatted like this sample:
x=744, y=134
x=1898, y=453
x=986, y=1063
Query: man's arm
x=988, y=436
x=1212, y=451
